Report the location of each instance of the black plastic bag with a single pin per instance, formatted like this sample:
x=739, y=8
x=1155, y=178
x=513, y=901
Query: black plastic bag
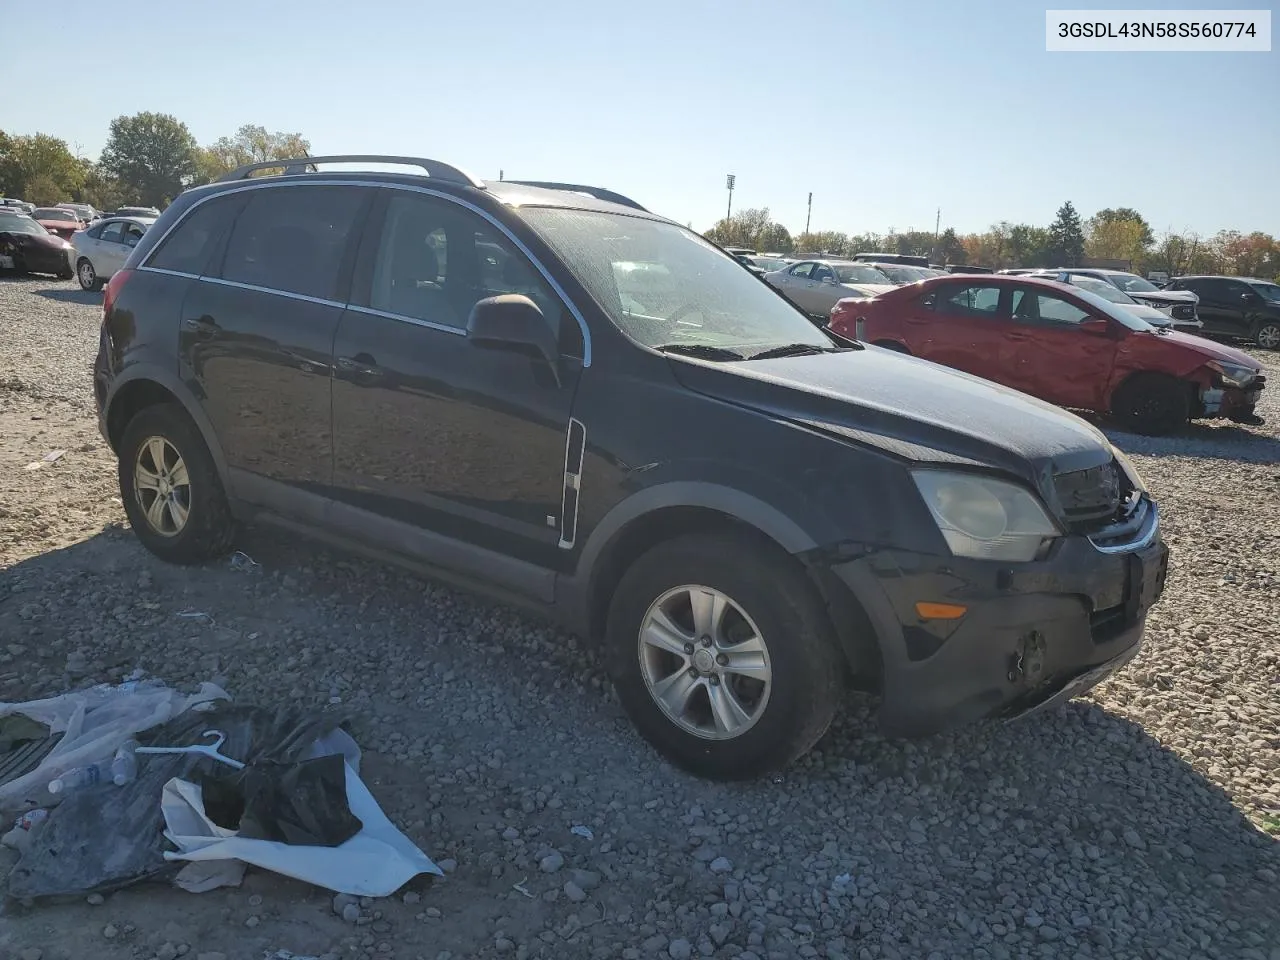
x=303, y=804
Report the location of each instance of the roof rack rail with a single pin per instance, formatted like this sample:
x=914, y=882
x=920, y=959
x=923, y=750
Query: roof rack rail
x=295, y=165
x=600, y=193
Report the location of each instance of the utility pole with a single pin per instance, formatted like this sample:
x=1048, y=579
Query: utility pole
x=729, y=182
x=499, y=174
x=809, y=213
x=937, y=226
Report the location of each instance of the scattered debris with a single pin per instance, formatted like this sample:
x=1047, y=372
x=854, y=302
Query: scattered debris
x=197, y=615
x=520, y=888
x=242, y=561
x=53, y=456
x=205, y=875
x=583, y=832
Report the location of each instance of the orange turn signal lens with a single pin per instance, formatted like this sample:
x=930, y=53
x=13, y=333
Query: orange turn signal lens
x=940, y=611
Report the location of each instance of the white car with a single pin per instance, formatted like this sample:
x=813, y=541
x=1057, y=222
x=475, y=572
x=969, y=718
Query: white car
x=815, y=286
x=102, y=249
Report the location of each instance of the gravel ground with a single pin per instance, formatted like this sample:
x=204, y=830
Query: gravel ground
x=1139, y=822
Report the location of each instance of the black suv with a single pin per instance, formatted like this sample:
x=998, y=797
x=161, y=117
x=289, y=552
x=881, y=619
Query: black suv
x=549, y=393
x=1238, y=307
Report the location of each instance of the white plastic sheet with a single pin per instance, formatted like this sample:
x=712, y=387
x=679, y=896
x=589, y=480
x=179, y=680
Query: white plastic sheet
x=94, y=723
x=376, y=862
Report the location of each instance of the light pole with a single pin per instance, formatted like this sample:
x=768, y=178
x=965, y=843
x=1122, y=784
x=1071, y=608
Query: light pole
x=728, y=182
x=808, y=214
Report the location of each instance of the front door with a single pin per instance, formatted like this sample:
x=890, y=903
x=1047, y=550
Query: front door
x=1057, y=360
x=435, y=432
x=108, y=250
x=257, y=333
x=797, y=284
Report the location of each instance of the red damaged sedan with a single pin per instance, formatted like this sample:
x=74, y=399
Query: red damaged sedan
x=1062, y=344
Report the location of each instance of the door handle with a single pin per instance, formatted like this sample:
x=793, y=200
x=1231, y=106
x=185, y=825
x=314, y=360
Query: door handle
x=362, y=364
x=206, y=325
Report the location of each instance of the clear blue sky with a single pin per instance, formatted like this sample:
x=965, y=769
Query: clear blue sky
x=886, y=111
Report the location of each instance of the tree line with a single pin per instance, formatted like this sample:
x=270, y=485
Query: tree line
x=1119, y=233
x=149, y=159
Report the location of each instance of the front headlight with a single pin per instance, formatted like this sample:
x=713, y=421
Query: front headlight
x=1233, y=374
x=1126, y=464
x=985, y=518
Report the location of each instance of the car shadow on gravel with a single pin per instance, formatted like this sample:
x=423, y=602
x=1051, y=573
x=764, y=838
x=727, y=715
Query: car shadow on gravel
x=83, y=297
x=1200, y=441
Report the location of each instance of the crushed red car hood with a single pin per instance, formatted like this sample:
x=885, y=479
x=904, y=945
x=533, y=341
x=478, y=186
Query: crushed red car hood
x=1209, y=349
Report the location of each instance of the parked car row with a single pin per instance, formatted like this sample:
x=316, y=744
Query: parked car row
x=1063, y=343
x=55, y=242
x=27, y=247
x=794, y=509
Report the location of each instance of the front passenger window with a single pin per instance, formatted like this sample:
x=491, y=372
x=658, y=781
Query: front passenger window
x=113, y=232
x=975, y=301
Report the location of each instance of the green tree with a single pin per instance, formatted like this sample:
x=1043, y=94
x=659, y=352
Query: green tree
x=250, y=144
x=1115, y=239
x=830, y=242
x=39, y=168
x=950, y=249
x=1066, y=237
x=102, y=189
x=1028, y=246
x=153, y=155
x=1125, y=214
x=751, y=227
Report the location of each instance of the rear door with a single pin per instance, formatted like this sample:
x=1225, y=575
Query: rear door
x=1213, y=309
x=962, y=326
x=108, y=249
x=797, y=282
x=462, y=449
x=1054, y=359
x=257, y=335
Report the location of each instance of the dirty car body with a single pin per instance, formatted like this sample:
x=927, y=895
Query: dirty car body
x=966, y=549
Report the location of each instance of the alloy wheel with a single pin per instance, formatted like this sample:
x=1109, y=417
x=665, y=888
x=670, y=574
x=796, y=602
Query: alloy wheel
x=86, y=274
x=162, y=486
x=705, y=662
x=1269, y=336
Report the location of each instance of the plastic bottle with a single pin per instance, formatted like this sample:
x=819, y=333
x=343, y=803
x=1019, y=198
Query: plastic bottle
x=80, y=777
x=124, y=765
x=30, y=819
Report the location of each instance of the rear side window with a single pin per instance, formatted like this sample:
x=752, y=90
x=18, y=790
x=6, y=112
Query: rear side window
x=187, y=248
x=802, y=270
x=972, y=301
x=292, y=239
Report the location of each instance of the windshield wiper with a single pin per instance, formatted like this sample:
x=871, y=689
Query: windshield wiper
x=703, y=351
x=791, y=350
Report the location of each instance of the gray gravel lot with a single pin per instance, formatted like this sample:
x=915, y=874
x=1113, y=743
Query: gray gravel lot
x=1139, y=822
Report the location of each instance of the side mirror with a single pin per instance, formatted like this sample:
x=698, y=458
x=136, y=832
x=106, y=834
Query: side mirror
x=514, y=323
x=1247, y=297
x=1099, y=328
x=830, y=280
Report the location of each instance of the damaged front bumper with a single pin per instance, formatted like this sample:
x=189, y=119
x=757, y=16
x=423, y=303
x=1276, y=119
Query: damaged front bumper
x=1232, y=403
x=1031, y=634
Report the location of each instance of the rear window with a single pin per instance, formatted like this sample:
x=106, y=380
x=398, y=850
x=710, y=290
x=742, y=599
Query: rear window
x=292, y=239
x=188, y=247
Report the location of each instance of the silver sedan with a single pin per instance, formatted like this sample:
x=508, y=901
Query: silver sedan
x=102, y=249
x=816, y=285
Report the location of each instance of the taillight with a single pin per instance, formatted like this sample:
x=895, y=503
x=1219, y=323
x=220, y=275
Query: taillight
x=114, y=286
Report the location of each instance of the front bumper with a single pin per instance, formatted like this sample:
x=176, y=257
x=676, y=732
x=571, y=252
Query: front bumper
x=1033, y=633
x=1234, y=403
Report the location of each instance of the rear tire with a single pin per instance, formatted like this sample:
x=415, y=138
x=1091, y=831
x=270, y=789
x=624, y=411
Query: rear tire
x=777, y=686
x=1266, y=334
x=1153, y=404
x=87, y=275
x=171, y=489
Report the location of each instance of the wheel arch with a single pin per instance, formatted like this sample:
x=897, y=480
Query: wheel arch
x=676, y=509
x=145, y=386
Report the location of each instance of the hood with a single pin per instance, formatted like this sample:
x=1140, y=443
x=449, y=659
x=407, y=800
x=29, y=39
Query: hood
x=1157, y=318
x=1209, y=349
x=909, y=408
x=62, y=226
x=1165, y=296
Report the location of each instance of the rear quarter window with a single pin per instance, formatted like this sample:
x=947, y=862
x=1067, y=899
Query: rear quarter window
x=187, y=248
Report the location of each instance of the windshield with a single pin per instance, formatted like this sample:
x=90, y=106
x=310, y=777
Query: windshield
x=662, y=284
x=1103, y=289
x=1109, y=309
x=11, y=224
x=52, y=213
x=898, y=273
x=770, y=263
x=1268, y=290
x=1132, y=283
x=859, y=273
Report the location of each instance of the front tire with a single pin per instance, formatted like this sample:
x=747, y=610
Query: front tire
x=1267, y=334
x=88, y=277
x=171, y=489
x=1153, y=404
x=722, y=655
